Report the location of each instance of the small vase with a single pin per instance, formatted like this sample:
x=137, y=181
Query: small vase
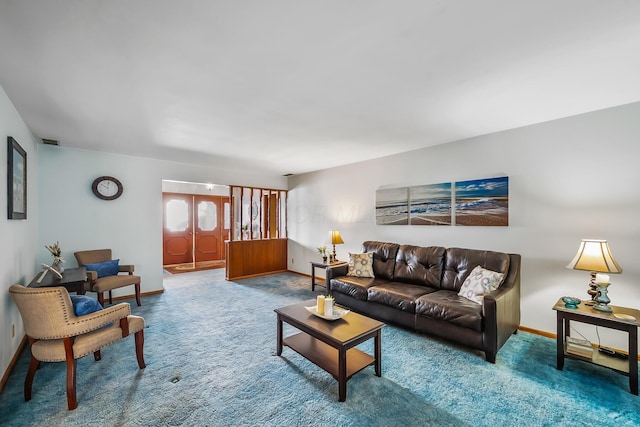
x=58, y=265
x=324, y=259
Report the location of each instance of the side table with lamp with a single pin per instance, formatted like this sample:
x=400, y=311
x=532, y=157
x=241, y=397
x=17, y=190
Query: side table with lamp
x=595, y=256
x=334, y=239
x=621, y=318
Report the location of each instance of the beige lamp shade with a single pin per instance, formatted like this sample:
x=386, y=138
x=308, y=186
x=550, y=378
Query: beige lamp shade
x=335, y=238
x=595, y=255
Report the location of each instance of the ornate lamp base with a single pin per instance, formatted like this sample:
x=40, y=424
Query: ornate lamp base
x=593, y=290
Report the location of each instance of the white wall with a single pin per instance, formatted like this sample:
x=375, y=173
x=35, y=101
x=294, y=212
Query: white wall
x=62, y=207
x=17, y=237
x=569, y=179
x=130, y=225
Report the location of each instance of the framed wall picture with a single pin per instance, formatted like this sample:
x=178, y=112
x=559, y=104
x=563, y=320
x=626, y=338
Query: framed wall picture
x=430, y=204
x=392, y=206
x=483, y=202
x=16, y=180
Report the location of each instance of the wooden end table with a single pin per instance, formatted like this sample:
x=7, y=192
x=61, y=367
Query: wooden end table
x=324, y=266
x=587, y=314
x=72, y=278
x=330, y=344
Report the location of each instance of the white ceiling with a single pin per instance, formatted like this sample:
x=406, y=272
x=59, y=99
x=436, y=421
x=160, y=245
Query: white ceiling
x=290, y=86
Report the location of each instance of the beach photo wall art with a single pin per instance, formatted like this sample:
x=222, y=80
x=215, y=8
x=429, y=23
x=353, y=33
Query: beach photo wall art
x=392, y=206
x=430, y=204
x=480, y=202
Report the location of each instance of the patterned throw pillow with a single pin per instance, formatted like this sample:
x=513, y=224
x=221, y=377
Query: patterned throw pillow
x=360, y=265
x=479, y=283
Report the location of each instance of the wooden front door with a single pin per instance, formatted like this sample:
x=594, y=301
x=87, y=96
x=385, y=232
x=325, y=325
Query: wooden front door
x=195, y=228
x=177, y=228
x=210, y=228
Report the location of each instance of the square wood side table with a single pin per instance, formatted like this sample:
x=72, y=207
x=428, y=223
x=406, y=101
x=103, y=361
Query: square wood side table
x=324, y=266
x=72, y=278
x=622, y=319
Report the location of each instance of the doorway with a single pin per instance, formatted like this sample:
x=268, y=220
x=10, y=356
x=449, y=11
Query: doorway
x=194, y=230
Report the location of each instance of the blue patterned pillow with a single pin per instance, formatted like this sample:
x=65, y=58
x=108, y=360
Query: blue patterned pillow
x=83, y=305
x=106, y=268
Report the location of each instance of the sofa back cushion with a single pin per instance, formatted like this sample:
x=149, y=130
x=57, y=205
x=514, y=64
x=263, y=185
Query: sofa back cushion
x=419, y=265
x=384, y=257
x=458, y=263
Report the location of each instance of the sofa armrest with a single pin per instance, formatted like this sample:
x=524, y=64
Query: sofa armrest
x=337, y=271
x=501, y=308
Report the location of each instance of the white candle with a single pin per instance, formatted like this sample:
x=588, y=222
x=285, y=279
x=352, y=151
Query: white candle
x=602, y=278
x=328, y=307
x=320, y=304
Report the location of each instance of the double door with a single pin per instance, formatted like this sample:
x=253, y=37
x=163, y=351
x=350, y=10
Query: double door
x=195, y=228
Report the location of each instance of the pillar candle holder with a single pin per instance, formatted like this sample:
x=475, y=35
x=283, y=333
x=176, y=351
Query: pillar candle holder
x=602, y=299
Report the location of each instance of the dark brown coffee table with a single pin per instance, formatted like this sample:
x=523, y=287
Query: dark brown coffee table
x=329, y=344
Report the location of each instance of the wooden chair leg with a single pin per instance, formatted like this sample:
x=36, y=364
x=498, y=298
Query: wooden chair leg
x=28, y=381
x=139, y=339
x=101, y=298
x=110, y=299
x=97, y=355
x=137, y=285
x=72, y=401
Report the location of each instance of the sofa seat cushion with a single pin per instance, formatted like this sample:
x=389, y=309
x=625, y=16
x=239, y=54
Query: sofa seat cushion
x=401, y=296
x=449, y=307
x=355, y=287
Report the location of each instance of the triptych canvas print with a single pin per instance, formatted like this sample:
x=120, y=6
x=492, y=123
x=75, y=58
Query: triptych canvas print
x=480, y=202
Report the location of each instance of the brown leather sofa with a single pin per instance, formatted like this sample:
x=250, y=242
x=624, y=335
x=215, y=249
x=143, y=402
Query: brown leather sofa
x=417, y=287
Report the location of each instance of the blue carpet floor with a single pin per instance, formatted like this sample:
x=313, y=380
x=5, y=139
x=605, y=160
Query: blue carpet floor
x=210, y=353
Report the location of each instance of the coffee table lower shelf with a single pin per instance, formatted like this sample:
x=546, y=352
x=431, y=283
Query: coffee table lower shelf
x=326, y=357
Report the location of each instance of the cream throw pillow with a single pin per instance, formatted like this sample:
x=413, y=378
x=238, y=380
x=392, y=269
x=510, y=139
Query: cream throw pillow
x=360, y=265
x=479, y=283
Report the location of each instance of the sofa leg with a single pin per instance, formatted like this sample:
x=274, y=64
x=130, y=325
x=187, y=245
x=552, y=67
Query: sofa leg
x=490, y=356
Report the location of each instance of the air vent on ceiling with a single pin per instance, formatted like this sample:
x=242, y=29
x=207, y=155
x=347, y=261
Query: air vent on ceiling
x=50, y=141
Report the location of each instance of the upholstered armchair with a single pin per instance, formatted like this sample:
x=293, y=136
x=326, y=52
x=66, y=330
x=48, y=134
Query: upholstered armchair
x=103, y=273
x=56, y=334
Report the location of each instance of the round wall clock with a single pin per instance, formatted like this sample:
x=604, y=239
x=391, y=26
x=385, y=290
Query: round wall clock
x=107, y=188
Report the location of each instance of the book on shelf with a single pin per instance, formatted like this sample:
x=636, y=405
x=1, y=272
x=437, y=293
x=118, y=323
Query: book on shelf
x=579, y=347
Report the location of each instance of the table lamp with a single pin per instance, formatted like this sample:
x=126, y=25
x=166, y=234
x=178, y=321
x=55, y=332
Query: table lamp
x=335, y=239
x=594, y=256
